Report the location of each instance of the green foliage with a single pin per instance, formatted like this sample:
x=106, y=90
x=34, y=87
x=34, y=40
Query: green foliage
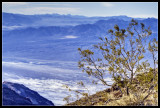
x=146, y=78
x=121, y=54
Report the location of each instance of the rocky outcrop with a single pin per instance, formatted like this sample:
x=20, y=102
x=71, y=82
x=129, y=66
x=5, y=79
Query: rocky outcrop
x=18, y=94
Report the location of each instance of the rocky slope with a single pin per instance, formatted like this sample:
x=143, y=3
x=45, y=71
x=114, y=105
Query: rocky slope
x=18, y=94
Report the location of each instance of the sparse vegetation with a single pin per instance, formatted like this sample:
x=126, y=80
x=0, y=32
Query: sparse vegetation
x=135, y=81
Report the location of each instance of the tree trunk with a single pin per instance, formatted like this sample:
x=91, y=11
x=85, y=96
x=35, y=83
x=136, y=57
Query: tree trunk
x=127, y=90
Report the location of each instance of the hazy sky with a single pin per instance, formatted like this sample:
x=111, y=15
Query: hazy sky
x=132, y=9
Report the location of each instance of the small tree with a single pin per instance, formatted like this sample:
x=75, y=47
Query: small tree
x=153, y=48
x=122, y=55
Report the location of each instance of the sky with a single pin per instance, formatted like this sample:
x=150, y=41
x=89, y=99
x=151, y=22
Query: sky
x=131, y=9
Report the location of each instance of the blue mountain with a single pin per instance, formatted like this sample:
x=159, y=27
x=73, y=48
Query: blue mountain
x=10, y=19
x=82, y=31
x=36, y=42
x=18, y=94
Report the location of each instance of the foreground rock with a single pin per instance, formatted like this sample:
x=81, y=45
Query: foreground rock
x=18, y=94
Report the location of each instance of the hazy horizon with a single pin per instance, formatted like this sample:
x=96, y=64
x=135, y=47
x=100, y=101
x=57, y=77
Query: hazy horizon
x=88, y=9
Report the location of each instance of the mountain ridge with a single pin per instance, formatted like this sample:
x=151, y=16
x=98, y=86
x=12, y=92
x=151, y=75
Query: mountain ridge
x=11, y=19
x=18, y=94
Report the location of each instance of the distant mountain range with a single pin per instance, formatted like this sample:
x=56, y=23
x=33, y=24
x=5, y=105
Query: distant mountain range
x=19, y=20
x=18, y=94
x=98, y=28
x=42, y=39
